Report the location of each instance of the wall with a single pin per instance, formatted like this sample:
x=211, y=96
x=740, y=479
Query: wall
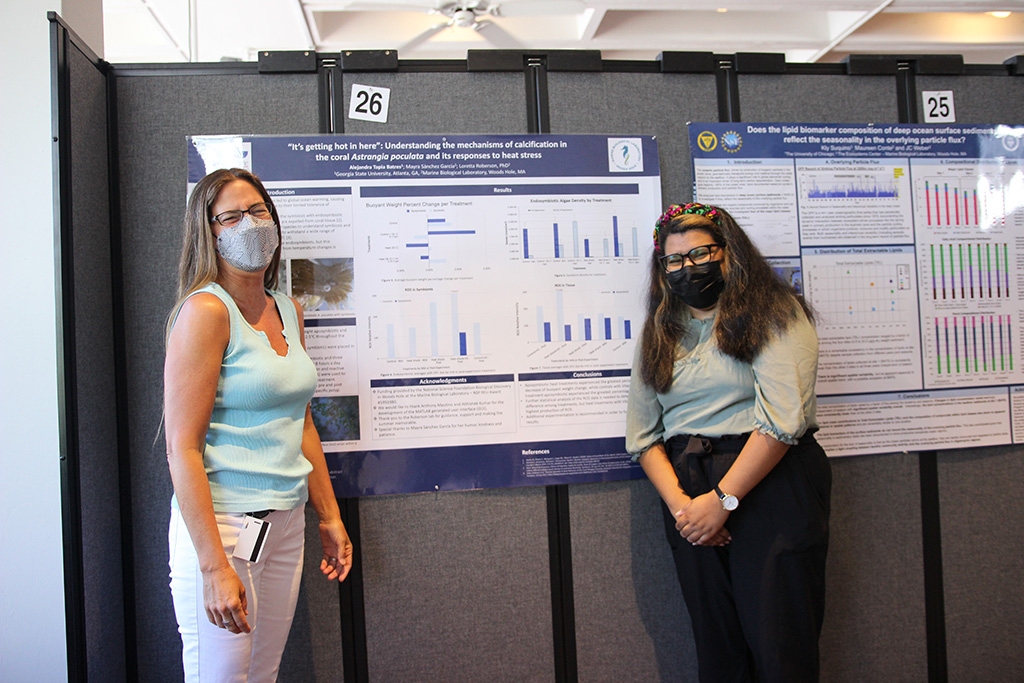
x=32, y=636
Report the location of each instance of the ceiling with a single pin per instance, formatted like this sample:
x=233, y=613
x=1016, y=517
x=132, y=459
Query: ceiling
x=166, y=31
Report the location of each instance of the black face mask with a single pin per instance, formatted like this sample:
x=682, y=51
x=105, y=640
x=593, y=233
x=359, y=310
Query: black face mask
x=698, y=286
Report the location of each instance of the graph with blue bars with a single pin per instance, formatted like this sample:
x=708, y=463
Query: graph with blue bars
x=575, y=238
x=570, y=317
x=429, y=327
x=853, y=188
x=440, y=241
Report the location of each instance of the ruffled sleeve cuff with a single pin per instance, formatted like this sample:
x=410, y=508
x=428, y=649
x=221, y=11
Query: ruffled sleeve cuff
x=771, y=431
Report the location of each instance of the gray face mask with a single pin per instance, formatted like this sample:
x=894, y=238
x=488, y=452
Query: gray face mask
x=250, y=245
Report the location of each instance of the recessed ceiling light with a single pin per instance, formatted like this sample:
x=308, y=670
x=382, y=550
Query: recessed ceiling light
x=999, y=15
x=722, y=10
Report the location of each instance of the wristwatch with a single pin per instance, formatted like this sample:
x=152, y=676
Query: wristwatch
x=729, y=501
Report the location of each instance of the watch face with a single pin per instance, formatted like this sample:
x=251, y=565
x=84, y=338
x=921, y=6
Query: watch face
x=730, y=502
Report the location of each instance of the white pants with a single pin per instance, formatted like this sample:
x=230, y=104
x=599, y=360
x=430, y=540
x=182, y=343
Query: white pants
x=212, y=654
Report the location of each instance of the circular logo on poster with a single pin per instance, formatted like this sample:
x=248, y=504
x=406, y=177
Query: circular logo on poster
x=625, y=155
x=707, y=141
x=731, y=141
x=1011, y=143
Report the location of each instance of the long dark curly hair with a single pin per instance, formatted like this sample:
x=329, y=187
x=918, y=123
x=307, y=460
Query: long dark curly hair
x=755, y=305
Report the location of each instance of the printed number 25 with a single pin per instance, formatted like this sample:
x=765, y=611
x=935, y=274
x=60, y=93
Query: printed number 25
x=368, y=103
x=938, y=106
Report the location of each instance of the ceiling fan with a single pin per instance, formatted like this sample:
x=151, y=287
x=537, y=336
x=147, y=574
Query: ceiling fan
x=477, y=14
x=468, y=14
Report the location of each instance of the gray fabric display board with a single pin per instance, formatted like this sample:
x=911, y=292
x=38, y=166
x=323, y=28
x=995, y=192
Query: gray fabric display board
x=467, y=586
x=978, y=488
x=457, y=583
x=865, y=568
x=92, y=517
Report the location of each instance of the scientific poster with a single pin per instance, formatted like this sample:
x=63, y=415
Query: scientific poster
x=908, y=242
x=471, y=302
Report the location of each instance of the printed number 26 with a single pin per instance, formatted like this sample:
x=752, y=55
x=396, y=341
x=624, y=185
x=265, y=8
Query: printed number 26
x=368, y=103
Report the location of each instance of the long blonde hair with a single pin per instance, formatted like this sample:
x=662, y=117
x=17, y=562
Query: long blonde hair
x=198, y=264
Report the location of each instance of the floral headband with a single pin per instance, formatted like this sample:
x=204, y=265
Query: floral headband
x=709, y=212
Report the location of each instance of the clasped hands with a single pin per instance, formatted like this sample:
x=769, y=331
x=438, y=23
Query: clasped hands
x=702, y=521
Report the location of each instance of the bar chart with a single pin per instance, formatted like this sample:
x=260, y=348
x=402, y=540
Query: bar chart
x=430, y=326
x=439, y=240
x=968, y=271
x=567, y=316
x=972, y=345
x=579, y=238
x=862, y=187
x=981, y=199
x=950, y=205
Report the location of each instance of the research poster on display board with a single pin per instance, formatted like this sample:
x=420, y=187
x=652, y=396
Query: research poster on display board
x=471, y=302
x=908, y=242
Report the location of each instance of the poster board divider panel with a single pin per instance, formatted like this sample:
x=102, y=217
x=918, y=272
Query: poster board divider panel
x=414, y=66
x=728, y=91
x=195, y=69
x=1014, y=66
x=931, y=532
x=514, y=60
x=70, y=496
x=906, y=93
x=931, y=542
x=330, y=98
x=563, y=608
x=353, y=608
x=123, y=427
x=352, y=604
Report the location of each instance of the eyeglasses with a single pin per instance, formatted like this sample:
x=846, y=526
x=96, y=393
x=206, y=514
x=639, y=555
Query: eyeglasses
x=230, y=218
x=696, y=256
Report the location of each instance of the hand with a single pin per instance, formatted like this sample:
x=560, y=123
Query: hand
x=702, y=522
x=224, y=599
x=337, y=560
x=723, y=537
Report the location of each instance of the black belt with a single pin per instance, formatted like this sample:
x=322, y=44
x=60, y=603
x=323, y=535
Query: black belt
x=259, y=514
x=695, y=444
x=691, y=458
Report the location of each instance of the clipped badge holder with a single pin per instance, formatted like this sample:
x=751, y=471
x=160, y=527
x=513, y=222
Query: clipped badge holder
x=252, y=539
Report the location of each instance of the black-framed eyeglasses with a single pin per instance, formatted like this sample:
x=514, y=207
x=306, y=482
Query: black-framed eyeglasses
x=231, y=218
x=696, y=256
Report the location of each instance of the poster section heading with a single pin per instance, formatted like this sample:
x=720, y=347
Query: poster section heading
x=471, y=302
x=908, y=241
x=796, y=140
x=361, y=157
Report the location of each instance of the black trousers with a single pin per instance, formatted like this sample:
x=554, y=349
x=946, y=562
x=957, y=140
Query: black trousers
x=757, y=604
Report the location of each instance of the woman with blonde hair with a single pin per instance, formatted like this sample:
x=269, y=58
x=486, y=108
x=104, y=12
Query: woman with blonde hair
x=242, y=449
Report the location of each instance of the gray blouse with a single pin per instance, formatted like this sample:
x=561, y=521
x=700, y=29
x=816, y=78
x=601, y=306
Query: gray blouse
x=713, y=394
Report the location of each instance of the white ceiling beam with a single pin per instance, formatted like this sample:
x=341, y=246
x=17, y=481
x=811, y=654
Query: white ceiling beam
x=590, y=21
x=163, y=27
x=304, y=24
x=845, y=32
x=193, y=30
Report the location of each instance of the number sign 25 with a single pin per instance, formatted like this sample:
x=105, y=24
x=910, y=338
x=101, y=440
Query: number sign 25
x=938, y=106
x=369, y=103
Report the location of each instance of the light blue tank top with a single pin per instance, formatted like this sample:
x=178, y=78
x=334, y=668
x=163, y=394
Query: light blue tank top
x=253, y=453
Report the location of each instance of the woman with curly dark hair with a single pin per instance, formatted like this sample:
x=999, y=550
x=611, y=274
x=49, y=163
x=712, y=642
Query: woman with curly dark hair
x=721, y=417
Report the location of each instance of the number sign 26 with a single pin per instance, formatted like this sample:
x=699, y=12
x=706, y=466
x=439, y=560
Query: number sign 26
x=938, y=106
x=369, y=103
